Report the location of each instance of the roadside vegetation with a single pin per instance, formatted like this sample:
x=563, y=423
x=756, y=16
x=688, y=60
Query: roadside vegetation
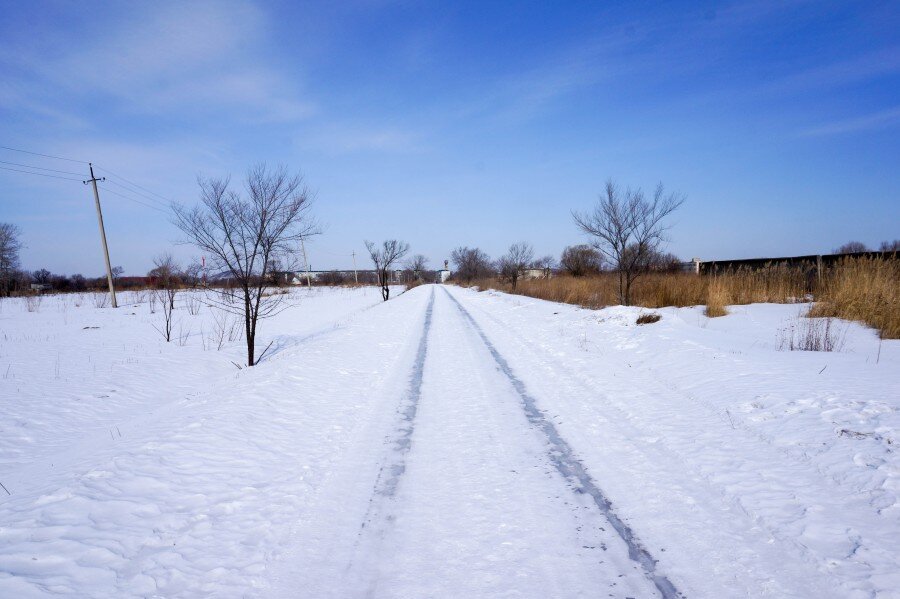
x=862, y=289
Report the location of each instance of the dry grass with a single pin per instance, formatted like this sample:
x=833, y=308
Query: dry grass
x=648, y=318
x=657, y=290
x=812, y=334
x=716, y=298
x=865, y=289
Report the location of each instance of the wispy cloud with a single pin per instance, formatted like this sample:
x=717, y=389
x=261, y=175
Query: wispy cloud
x=877, y=120
x=345, y=139
x=204, y=56
x=860, y=68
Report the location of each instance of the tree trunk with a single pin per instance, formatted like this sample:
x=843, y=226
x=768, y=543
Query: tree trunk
x=248, y=328
x=628, y=281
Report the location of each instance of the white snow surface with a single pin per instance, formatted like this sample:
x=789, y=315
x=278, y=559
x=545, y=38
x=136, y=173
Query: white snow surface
x=446, y=443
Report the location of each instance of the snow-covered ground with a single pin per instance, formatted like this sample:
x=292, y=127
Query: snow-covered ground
x=447, y=443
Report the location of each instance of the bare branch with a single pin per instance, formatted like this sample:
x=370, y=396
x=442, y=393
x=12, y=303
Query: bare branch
x=245, y=235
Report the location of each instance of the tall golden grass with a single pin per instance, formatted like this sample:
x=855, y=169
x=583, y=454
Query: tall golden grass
x=865, y=289
x=716, y=298
x=656, y=290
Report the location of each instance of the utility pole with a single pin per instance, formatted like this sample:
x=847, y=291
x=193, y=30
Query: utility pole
x=355, y=276
x=109, y=278
x=306, y=262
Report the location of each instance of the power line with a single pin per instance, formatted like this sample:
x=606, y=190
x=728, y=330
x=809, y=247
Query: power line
x=106, y=170
x=16, y=170
x=129, y=190
x=44, y=155
x=130, y=199
x=41, y=168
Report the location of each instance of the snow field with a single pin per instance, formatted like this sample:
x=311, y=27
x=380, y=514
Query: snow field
x=782, y=505
x=192, y=499
x=387, y=450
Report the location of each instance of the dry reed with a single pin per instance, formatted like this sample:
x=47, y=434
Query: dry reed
x=716, y=298
x=864, y=289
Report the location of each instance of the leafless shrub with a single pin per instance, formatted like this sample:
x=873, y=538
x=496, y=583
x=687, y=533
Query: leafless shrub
x=33, y=303
x=193, y=304
x=168, y=310
x=100, y=300
x=648, y=318
x=183, y=335
x=812, y=334
x=167, y=274
x=581, y=260
x=224, y=328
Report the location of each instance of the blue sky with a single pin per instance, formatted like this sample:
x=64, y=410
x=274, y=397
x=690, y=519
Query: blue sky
x=457, y=124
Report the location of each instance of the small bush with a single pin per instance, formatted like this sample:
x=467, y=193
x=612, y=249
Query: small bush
x=716, y=299
x=100, y=300
x=33, y=303
x=648, y=318
x=812, y=334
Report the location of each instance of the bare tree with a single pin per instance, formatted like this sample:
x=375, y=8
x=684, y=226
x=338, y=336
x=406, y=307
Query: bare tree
x=628, y=229
x=889, y=246
x=10, y=245
x=852, y=247
x=544, y=262
x=390, y=252
x=41, y=276
x=167, y=275
x=517, y=258
x=417, y=265
x=581, y=260
x=242, y=234
x=117, y=273
x=471, y=264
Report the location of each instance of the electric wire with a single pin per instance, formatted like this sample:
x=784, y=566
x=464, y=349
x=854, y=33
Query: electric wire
x=130, y=199
x=132, y=183
x=16, y=170
x=146, y=197
x=159, y=207
x=41, y=168
x=44, y=155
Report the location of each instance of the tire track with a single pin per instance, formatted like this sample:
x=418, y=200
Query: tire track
x=391, y=471
x=567, y=464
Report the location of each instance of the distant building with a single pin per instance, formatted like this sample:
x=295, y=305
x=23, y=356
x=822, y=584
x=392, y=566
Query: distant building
x=536, y=273
x=443, y=274
x=330, y=277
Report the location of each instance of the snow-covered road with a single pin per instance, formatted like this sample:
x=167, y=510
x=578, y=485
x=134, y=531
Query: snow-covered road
x=459, y=444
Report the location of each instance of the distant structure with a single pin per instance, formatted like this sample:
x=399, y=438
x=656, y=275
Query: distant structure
x=813, y=264
x=333, y=276
x=536, y=273
x=444, y=273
